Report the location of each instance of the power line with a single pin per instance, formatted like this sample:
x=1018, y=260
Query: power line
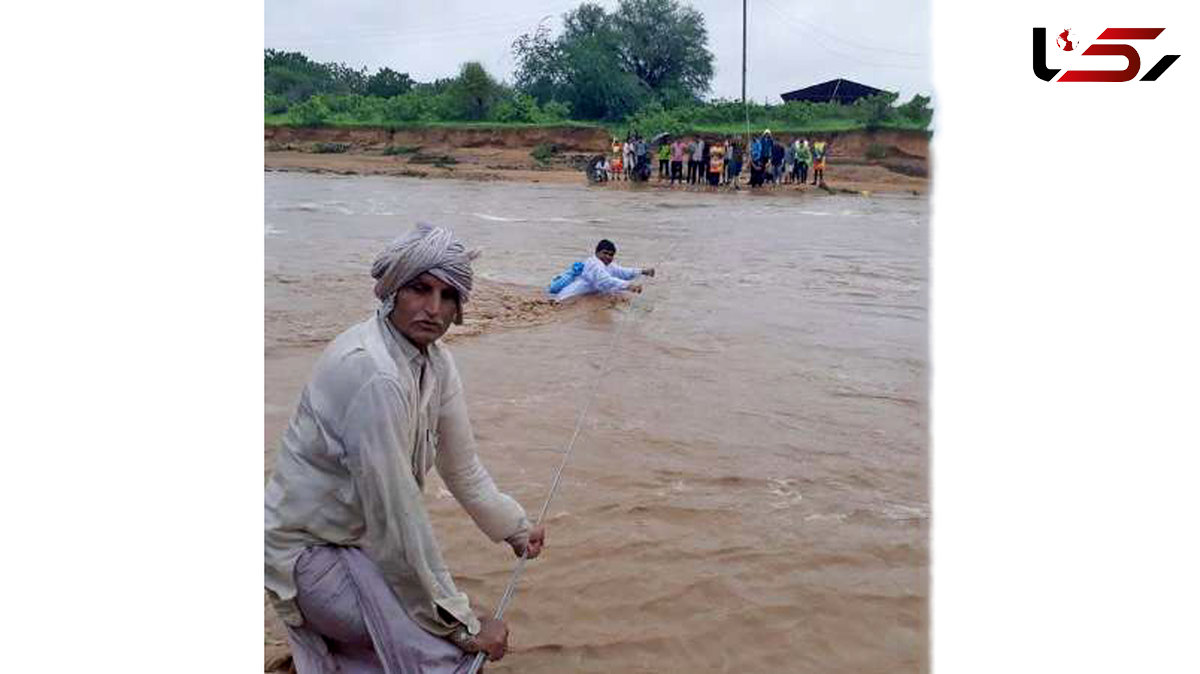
x=771, y=6
x=787, y=15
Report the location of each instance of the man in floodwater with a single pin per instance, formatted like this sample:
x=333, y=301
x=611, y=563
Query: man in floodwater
x=599, y=274
x=352, y=565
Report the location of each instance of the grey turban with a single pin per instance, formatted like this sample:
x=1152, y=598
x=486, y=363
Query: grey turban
x=425, y=249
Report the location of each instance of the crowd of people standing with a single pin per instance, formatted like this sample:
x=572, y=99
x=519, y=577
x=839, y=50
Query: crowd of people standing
x=628, y=159
x=700, y=161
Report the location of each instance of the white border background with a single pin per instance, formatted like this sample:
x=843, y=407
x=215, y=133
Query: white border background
x=1065, y=339
x=1064, y=306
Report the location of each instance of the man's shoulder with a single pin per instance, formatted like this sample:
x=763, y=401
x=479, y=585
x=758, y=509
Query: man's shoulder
x=355, y=357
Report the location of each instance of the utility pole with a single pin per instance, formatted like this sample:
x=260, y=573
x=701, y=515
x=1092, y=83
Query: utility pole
x=744, y=53
x=745, y=108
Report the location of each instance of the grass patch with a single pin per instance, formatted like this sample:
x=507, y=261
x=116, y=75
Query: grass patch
x=401, y=149
x=544, y=152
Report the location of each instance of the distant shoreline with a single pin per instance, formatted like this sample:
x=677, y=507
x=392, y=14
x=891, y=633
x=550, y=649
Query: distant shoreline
x=499, y=154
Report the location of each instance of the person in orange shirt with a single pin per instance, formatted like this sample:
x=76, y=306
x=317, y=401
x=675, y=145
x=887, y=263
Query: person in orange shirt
x=616, y=166
x=716, y=164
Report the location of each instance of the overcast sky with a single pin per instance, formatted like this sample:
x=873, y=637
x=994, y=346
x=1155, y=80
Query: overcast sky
x=792, y=44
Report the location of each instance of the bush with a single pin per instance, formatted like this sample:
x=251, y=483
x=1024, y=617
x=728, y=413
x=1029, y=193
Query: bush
x=555, y=111
x=544, y=152
x=370, y=109
x=517, y=109
x=875, y=111
x=408, y=107
x=652, y=119
x=275, y=104
x=312, y=112
x=341, y=104
x=917, y=110
x=720, y=111
x=798, y=113
x=401, y=149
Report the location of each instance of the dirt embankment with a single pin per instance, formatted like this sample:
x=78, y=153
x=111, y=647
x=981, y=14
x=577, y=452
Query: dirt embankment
x=882, y=161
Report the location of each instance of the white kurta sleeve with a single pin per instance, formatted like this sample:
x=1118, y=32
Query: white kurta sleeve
x=599, y=278
x=379, y=445
x=623, y=273
x=498, y=515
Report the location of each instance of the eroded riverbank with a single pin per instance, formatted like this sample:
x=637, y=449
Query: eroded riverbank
x=507, y=155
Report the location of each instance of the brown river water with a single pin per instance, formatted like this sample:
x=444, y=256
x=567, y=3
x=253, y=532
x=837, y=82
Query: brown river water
x=749, y=491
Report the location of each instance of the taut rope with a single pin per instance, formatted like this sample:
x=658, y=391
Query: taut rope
x=516, y=574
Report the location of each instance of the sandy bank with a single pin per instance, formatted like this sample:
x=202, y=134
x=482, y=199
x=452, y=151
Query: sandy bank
x=505, y=154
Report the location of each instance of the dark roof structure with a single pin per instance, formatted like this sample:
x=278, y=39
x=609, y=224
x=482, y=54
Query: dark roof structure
x=839, y=90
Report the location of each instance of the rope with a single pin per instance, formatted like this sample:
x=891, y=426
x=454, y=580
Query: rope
x=477, y=662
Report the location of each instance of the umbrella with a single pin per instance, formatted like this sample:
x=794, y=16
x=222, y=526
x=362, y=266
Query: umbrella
x=657, y=140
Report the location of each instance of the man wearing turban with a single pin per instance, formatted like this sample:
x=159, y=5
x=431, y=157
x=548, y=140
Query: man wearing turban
x=352, y=565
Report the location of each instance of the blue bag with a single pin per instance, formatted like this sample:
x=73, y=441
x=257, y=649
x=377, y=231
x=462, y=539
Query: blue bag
x=564, y=279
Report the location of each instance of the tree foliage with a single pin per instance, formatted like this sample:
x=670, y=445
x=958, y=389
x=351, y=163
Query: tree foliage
x=312, y=112
x=876, y=110
x=387, y=83
x=473, y=93
x=917, y=110
x=603, y=66
x=295, y=77
x=610, y=65
x=665, y=44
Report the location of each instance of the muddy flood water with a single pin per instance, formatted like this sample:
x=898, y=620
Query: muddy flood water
x=749, y=492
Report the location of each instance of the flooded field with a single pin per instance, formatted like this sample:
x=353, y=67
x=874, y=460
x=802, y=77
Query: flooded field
x=750, y=489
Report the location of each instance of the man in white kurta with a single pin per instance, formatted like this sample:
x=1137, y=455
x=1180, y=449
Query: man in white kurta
x=352, y=564
x=601, y=275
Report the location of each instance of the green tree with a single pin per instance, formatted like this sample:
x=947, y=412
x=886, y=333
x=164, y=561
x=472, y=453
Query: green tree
x=347, y=80
x=607, y=66
x=917, y=110
x=275, y=104
x=539, y=71
x=876, y=110
x=664, y=44
x=296, y=77
x=473, y=92
x=387, y=83
x=293, y=76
